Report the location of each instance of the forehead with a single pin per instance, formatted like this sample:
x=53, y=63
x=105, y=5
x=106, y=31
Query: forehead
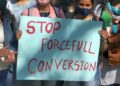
x=43, y=0
x=84, y=1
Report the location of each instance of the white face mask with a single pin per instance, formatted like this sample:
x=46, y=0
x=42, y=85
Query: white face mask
x=43, y=2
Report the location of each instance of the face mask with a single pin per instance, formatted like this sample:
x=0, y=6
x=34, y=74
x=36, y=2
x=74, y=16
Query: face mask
x=83, y=11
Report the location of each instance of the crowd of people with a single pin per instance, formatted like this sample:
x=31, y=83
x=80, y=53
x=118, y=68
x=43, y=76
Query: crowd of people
x=107, y=11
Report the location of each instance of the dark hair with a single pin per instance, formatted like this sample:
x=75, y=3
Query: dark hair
x=110, y=0
x=7, y=14
x=3, y=7
x=92, y=1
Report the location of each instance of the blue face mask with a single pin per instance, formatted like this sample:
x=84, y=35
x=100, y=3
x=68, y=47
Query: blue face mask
x=83, y=11
x=115, y=11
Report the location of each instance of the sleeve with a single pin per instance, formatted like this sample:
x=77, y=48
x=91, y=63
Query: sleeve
x=14, y=28
x=14, y=42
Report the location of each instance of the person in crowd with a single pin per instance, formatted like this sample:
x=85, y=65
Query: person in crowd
x=16, y=7
x=8, y=42
x=70, y=10
x=109, y=13
x=84, y=11
x=44, y=8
